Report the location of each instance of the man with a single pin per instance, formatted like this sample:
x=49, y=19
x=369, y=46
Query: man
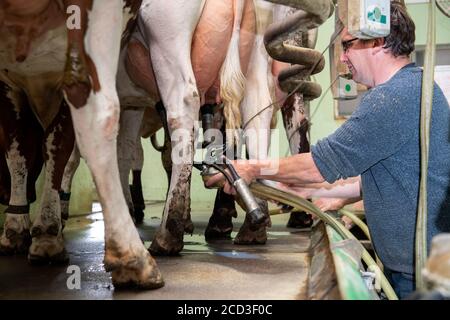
x=380, y=142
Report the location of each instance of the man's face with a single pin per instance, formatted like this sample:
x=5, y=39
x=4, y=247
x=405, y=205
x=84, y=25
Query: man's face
x=356, y=54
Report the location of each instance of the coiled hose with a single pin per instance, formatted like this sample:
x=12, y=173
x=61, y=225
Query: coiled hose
x=310, y=15
x=267, y=192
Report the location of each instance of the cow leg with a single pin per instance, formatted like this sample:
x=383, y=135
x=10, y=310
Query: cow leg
x=66, y=184
x=176, y=216
x=220, y=224
x=5, y=180
x=137, y=195
x=169, y=238
x=95, y=118
x=166, y=152
x=166, y=158
x=296, y=125
x=20, y=141
x=130, y=121
x=16, y=229
x=170, y=46
x=48, y=242
x=257, y=124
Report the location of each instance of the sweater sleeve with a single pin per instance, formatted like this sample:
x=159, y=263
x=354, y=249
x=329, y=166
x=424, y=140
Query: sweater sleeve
x=383, y=122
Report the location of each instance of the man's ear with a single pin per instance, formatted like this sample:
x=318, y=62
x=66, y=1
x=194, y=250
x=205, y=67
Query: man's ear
x=377, y=45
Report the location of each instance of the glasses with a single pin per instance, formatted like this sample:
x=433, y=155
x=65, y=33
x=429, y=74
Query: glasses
x=347, y=44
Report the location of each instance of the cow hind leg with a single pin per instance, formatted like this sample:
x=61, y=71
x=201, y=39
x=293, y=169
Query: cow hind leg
x=96, y=126
x=137, y=194
x=176, y=217
x=5, y=180
x=48, y=242
x=130, y=121
x=20, y=139
x=296, y=124
x=166, y=158
x=16, y=238
x=171, y=47
x=66, y=184
x=220, y=224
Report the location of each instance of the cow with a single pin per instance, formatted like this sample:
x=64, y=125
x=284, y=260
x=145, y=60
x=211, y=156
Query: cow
x=188, y=69
x=258, y=94
x=64, y=67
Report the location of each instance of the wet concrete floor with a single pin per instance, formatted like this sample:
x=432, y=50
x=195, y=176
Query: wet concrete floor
x=219, y=270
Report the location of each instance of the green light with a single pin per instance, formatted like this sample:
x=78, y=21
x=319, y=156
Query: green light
x=348, y=87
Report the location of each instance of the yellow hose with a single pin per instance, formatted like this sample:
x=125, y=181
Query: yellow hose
x=425, y=123
x=357, y=221
x=363, y=227
x=270, y=193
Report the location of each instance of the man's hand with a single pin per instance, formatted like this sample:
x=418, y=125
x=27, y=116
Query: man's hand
x=330, y=204
x=243, y=169
x=334, y=204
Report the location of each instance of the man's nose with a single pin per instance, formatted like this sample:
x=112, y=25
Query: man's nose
x=343, y=57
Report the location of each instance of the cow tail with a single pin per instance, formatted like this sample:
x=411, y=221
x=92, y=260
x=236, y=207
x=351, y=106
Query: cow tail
x=232, y=80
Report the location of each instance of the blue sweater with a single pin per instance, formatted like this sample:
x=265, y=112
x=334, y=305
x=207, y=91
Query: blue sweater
x=380, y=142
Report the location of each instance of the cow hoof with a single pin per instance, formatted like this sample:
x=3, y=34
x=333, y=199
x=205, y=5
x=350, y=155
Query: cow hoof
x=16, y=237
x=299, y=220
x=220, y=224
x=218, y=230
x=214, y=233
x=136, y=272
x=61, y=258
x=47, y=246
x=164, y=247
x=13, y=242
x=247, y=236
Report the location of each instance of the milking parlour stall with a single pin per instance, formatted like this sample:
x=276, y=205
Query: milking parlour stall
x=224, y=154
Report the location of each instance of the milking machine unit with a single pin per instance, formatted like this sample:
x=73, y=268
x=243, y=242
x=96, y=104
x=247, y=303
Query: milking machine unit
x=216, y=162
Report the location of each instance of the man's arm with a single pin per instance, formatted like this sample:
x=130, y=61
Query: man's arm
x=296, y=169
x=348, y=188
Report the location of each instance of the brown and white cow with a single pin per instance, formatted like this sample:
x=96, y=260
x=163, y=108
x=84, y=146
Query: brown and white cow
x=39, y=56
